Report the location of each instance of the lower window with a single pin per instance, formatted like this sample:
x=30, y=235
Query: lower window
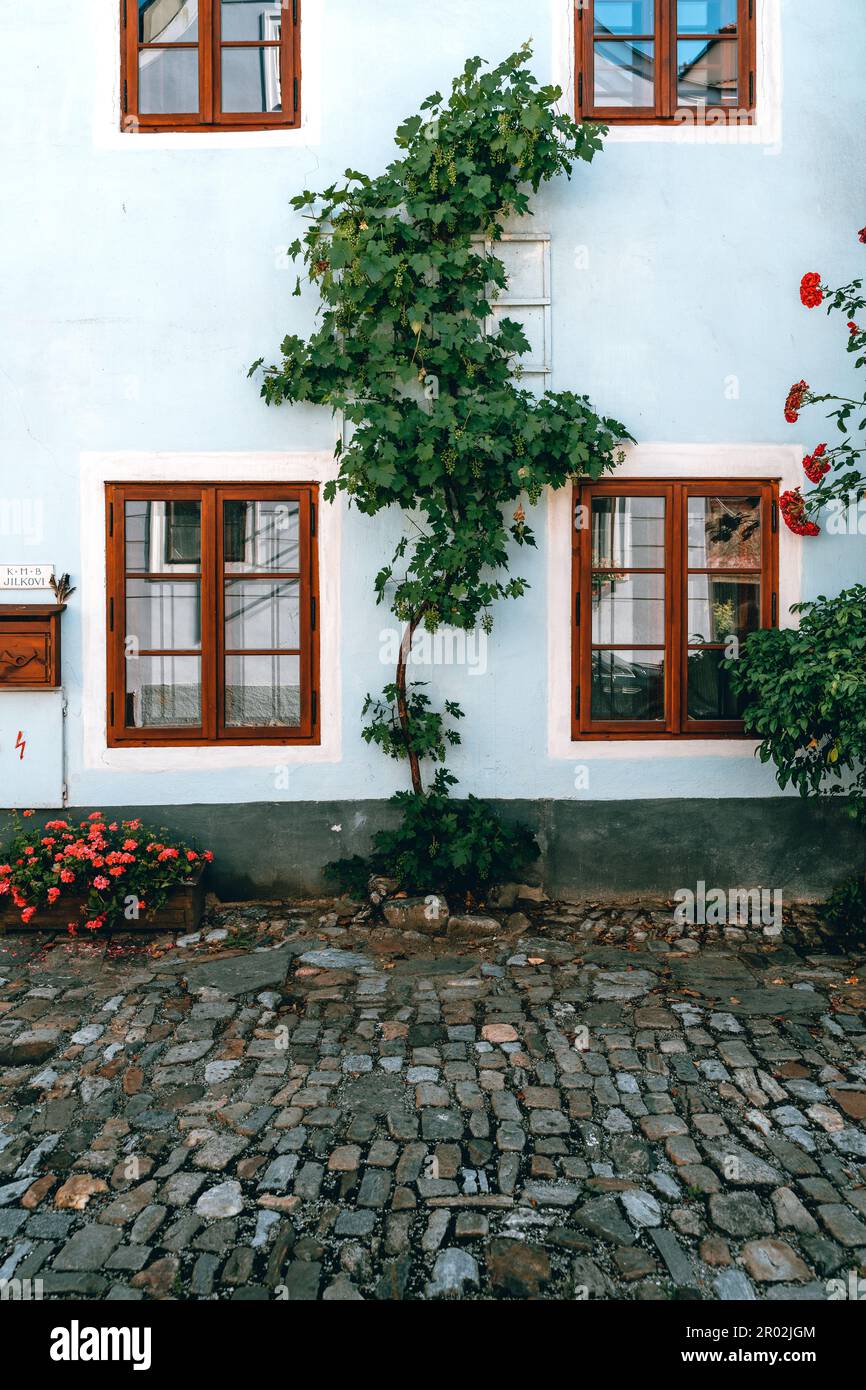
x=212, y=614
x=668, y=578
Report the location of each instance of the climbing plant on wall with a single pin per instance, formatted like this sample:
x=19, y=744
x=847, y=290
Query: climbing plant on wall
x=836, y=468
x=439, y=423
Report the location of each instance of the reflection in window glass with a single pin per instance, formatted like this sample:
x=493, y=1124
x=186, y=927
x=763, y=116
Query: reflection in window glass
x=628, y=532
x=263, y=691
x=625, y=74
x=251, y=80
x=706, y=16
x=724, y=532
x=168, y=21
x=248, y=20
x=162, y=536
x=628, y=685
x=262, y=615
x=719, y=608
x=163, y=616
x=163, y=692
x=707, y=72
x=168, y=81
x=261, y=536
x=628, y=608
x=709, y=687
x=624, y=16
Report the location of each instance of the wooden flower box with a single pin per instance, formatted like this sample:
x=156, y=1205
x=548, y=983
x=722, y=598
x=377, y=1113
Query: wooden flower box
x=181, y=912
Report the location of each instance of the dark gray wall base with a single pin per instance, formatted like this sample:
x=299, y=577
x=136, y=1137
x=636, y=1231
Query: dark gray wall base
x=589, y=849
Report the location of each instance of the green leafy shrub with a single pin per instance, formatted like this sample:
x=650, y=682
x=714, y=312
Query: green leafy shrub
x=446, y=846
x=845, y=911
x=805, y=694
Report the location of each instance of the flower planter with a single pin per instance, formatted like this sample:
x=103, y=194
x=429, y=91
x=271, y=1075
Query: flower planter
x=182, y=911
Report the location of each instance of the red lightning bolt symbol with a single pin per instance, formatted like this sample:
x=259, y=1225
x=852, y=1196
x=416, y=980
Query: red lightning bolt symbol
x=21, y=743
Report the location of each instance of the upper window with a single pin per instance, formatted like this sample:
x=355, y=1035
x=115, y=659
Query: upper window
x=669, y=577
x=666, y=61
x=210, y=64
x=212, y=626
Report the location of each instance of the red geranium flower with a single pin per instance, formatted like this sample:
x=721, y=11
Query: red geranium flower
x=793, y=509
x=28, y=913
x=862, y=235
x=853, y=327
x=814, y=466
x=810, y=290
x=794, y=403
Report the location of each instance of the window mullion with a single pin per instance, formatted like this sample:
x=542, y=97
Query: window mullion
x=211, y=608
x=665, y=64
x=208, y=27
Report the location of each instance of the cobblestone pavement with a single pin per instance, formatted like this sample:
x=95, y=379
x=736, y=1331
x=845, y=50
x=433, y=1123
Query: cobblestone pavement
x=577, y=1103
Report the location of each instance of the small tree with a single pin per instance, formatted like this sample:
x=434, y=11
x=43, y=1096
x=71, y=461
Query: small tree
x=441, y=428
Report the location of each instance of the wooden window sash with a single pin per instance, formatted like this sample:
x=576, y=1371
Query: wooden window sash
x=677, y=723
x=665, y=108
x=210, y=115
x=212, y=731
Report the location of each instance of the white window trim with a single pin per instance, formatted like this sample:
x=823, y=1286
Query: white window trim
x=767, y=129
x=649, y=461
x=543, y=370
x=97, y=469
x=104, y=26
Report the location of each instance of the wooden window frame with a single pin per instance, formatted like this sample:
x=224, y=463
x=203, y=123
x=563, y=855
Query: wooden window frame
x=213, y=732
x=677, y=724
x=665, y=110
x=209, y=43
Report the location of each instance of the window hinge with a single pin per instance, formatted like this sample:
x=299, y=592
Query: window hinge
x=312, y=518
x=125, y=97
x=775, y=515
x=111, y=708
x=313, y=611
x=774, y=615
x=123, y=14
x=315, y=704
x=580, y=90
x=751, y=9
x=111, y=518
x=751, y=89
x=295, y=92
x=294, y=11
x=577, y=703
x=111, y=615
x=577, y=610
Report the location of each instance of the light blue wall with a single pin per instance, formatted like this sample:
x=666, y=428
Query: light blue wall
x=139, y=283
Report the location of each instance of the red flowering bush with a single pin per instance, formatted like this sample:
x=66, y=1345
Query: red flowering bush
x=113, y=871
x=844, y=460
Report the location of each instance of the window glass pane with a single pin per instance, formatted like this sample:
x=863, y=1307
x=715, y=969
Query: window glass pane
x=163, y=536
x=707, y=72
x=724, y=532
x=250, y=19
x=706, y=16
x=163, y=691
x=261, y=614
x=628, y=685
x=709, y=688
x=261, y=536
x=163, y=616
x=263, y=691
x=628, y=608
x=625, y=16
x=168, y=81
x=721, y=607
x=251, y=80
x=625, y=74
x=628, y=532
x=168, y=21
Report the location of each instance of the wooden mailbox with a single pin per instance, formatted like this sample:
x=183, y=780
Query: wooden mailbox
x=30, y=646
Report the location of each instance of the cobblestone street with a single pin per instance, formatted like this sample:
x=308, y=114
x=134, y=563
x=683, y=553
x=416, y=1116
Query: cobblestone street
x=574, y=1103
